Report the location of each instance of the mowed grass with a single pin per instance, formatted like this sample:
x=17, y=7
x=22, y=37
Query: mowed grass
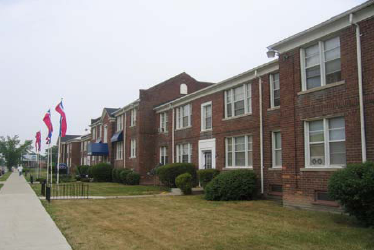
x=5, y=176
x=113, y=189
x=189, y=222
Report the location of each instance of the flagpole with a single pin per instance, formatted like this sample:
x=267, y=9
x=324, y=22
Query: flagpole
x=58, y=159
x=50, y=162
x=47, y=166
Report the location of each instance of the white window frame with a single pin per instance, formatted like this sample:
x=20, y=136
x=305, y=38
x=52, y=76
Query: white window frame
x=105, y=134
x=163, y=155
x=326, y=144
x=180, y=115
x=246, y=150
x=274, y=149
x=272, y=89
x=203, y=118
x=322, y=63
x=133, y=148
x=119, y=150
x=179, y=150
x=133, y=117
x=163, y=122
x=247, y=100
x=119, y=123
x=94, y=133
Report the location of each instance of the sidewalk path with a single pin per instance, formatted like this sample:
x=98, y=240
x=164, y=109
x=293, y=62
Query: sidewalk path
x=24, y=223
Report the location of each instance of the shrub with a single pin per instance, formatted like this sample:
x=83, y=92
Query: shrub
x=83, y=170
x=133, y=178
x=168, y=173
x=102, y=172
x=206, y=175
x=123, y=175
x=184, y=182
x=85, y=180
x=116, y=175
x=353, y=187
x=232, y=185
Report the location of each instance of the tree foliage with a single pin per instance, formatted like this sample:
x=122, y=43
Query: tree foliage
x=12, y=150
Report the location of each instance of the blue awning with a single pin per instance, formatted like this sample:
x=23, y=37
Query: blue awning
x=97, y=149
x=117, y=137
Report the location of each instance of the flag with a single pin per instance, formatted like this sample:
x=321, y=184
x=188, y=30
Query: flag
x=38, y=141
x=63, y=125
x=48, y=123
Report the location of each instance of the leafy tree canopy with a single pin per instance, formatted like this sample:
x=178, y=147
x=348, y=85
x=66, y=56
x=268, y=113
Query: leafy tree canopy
x=12, y=150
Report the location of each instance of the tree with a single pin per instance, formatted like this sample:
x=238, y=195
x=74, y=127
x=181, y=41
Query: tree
x=12, y=150
x=54, y=152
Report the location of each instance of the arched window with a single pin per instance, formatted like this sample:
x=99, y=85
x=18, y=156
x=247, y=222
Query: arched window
x=183, y=89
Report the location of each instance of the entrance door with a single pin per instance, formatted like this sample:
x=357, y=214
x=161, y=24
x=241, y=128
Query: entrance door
x=207, y=159
x=207, y=154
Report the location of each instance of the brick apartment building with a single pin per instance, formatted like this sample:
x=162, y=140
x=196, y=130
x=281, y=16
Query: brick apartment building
x=70, y=151
x=294, y=120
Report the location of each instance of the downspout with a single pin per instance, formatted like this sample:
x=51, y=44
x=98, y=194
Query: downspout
x=360, y=88
x=124, y=142
x=172, y=134
x=261, y=132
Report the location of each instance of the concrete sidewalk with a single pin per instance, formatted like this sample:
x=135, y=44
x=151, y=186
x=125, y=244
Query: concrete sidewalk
x=24, y=223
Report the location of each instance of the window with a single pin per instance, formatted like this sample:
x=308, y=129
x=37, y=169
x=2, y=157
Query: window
x=119, y=150
x=325, y=143
x=239, y=152
x=184, y=153
x=183, y=89
x=320, y=64
x=105, y=134
x=274, y=90
x=238, y=101
x=277, y=149
x=163, y=122
x=119, y=123
x=85, y=145
x=206, y=116
x=183, y=116
x=94, y=133
x=163, y=155
x=133, y=148
x=133, y=117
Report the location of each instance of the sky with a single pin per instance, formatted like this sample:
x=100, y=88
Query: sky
x=96, y=53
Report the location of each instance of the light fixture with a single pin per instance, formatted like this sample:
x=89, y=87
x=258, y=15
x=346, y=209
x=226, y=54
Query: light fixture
x=271, y=53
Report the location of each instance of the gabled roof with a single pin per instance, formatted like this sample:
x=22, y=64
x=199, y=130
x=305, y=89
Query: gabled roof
x=111, y=111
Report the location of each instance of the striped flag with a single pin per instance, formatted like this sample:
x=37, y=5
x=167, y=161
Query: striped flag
x=63, y=124
x=38, y=139
x=48, y=123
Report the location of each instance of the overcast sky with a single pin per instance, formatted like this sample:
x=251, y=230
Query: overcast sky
x=99, y=54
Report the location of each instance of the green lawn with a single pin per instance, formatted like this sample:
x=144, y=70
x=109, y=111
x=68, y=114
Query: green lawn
x=114, y=189
x=5, y=176
x=190, y=222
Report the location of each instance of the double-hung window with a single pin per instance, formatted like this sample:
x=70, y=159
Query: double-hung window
x=238, y=101
x=119, y=123
x=239, y=152
x=274, y=90
x=163, y=155
x=184, y=153
x=206, y=116
x=133, y=117
x=325, y=143
x=277, y=149
x=94, y=133
x=183, y=116
x=163, y=122
x=133, y=148
x=320, y=64
x=119, y=153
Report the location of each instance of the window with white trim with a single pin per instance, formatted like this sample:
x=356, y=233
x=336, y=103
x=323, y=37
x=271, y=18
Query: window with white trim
x=184, y=153
x=325, y=143
x=93, y=133
x=133, y=148
x=133, y=117
x=106, y=134
x=206, y=116
x=119, y=150
x=239, y=152
x=119, y=123
x=163, y=122
x=183, y=116
x=163, y=155
x=238, y=101
x=277, y=149
x=320, y=64
x=274, y=90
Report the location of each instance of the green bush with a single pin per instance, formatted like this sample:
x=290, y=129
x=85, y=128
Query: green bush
x=168, y=173
x=353, y=187
x=206, y=175
x=184, y=182
x=116, y=175
x=123, y=175
x=102, y=172
x=232, y=185
x=133, y=178
x=83, y=170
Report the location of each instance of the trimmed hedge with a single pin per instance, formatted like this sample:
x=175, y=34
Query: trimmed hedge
x=353, y=187
x=133, y=178
x=184, y=182
x=168, y=173
x=232, y=185
x=102, y=172
x=206, y=176
x=116, y=175
x=83, y=170
x=123, y=175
